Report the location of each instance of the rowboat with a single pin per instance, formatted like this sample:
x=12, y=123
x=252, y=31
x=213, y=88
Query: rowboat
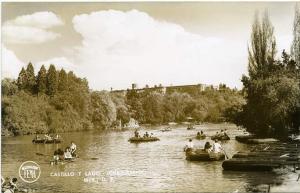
x=142, y=139
x=190, y=127
x=62, y=162
x=221, y=138
x=201, y=155
x=47, y=141
x=166, y=130
x=201, y=137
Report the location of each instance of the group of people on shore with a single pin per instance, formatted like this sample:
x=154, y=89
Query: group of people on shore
x=146, y=135
x=68, y=154
x=209, y=148
x=9, y=185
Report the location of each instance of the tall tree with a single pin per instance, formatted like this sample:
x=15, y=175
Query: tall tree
x=62, y=80
x=261, y=63
x=52, y=81
x=31, y=83
x=42, y=80
x=22, y=79
x=295, y=49
x=262, y=49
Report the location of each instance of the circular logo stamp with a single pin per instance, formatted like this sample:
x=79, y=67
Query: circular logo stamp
x=29, y=171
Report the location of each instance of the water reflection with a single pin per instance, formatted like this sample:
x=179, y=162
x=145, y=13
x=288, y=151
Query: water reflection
x=160, y=166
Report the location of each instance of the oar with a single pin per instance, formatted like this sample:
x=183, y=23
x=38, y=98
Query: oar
x=225, y=154
x=40, y=154
x=89, y=158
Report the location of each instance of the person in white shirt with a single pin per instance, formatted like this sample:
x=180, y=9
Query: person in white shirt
x=73, y=149
x=217, y=148
x=67, y=154
x=189, y=146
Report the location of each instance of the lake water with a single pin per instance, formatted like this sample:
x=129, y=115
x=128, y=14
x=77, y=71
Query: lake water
x=125, y=167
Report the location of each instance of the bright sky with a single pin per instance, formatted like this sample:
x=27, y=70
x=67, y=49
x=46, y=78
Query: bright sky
x=116, y=44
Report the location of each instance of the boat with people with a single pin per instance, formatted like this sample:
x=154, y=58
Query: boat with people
x=166, y=129
x=202, y=155
x=200, y=135
x=146, y=137
x=222, y=136
x=142, y=139
x=68, y=155
x=47, y=139
x=190, y=127
x=62, y=162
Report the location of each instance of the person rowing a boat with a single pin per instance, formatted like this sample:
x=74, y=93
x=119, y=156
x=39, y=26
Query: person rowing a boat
x=47, y=137
x=217, y=148
x=207, y=147
x=67, y=154
x=189, y=147
x=56, y=157
x=136, y=133
x=73, y=149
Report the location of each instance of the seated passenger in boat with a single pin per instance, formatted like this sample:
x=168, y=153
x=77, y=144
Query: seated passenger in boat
x=61, y=154
x=57, y=137
x=73, y=149
x=217, y=148
x=67, y=154
x=207, y=147
x=11, y=187
x=198, y=134
x=222, y=133
x=201, y=132
x=136, y=133
x=47, y=137
x=189, y=146
x=56, y=156
x=146, y=134
x=5, y=183
x=37, y=137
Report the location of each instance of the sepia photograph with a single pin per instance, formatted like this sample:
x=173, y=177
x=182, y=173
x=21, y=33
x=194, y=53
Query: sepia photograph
x=150, y=96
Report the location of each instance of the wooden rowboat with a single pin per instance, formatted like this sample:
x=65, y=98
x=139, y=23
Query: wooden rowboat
x=142, y=139
x=45, y=141
x=201, y=155
x=201, y=137
x=221, y=138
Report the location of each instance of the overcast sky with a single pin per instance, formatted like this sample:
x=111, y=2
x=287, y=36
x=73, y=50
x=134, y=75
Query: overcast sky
x=116, y=44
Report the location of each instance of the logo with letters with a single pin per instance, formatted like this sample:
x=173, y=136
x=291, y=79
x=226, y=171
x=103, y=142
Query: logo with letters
x=29, y=171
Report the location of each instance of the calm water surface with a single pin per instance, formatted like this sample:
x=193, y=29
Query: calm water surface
x=125, y=167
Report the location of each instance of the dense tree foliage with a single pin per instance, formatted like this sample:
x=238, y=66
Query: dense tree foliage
x=59, y=101
x=209, y=105
x=272, y=87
